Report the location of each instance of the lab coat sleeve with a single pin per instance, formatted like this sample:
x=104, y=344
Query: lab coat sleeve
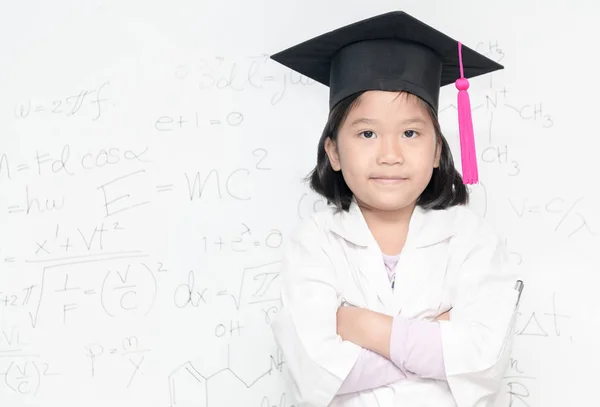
x=477, y=340
x=305, y=328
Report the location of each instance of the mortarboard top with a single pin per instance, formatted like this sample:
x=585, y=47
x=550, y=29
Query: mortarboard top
x=391, y=52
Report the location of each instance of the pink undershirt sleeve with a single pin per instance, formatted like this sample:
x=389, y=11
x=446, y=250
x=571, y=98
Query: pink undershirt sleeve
x=416, y=347
x=370, y=371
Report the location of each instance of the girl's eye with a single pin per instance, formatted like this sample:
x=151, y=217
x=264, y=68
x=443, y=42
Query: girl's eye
x=410, y=134
x=367, y=134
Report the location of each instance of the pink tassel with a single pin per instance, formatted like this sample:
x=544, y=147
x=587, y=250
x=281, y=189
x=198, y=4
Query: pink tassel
x=465, y=127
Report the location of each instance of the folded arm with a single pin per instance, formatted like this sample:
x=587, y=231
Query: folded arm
x=471, y=350
x=394, y=347
x=415, y=349
x=317, y=359
x=371, y=371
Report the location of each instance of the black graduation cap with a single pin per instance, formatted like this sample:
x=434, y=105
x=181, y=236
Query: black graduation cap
x=393, y=52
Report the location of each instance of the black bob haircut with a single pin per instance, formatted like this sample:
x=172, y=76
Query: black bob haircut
x=445, y=189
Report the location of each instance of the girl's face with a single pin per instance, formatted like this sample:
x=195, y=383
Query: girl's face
x=386, y=149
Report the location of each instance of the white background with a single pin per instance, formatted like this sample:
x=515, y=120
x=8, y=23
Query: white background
x=151, y=159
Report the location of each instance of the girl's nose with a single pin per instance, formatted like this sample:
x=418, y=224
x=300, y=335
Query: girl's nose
x=390, y=151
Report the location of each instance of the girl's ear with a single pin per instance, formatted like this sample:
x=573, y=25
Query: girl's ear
x=438, y=153
x=332, y=154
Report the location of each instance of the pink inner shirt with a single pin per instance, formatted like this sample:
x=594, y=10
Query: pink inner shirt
x=390, y=266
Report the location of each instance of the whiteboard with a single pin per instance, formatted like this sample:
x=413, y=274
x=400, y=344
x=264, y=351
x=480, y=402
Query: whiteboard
x=151, y=161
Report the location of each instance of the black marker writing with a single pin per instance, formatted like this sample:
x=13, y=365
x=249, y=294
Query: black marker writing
x=10, y=338
x=68, y=106
x=22, y=111
x=109, y=203
x=489, y=102
x=52, y=264
x=93, y=351
x=534, y=325
x=555, y=316
x=4, y=167
x=111, y=156
x=98, y=101
x=244, y=242
x=261, y=153
x=218, y=73
x=282, y=402
x=259, y=285
x=129, y=352
x=517, y=389
x=57, y=165
x=86, y=238
x=187, y=294
x=68, y=163
x=221, y=330
x=265, y=280
x=187, y=381
x=136, y=368
x=89, y=241
x=23, y=378
x=34, y=204
x=20, y=299
x=196, y=121
x=293, y=78
x=68, y=308
x=129, y=291
x=41, y=247
x=533, y=112
x=499, y=155
x=196, y=188
x=76, y=101
x=268, y=312
x=490, y=49
x=307, y=205
x=516, y=257
x=572, y=221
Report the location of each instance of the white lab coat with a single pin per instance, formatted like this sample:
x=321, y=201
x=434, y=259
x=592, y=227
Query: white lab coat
x=451, y=259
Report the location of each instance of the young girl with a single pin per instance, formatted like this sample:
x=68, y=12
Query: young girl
x=396, y=294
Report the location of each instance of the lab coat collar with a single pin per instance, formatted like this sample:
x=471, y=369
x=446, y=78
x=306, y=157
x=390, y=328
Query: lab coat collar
x=426, y=227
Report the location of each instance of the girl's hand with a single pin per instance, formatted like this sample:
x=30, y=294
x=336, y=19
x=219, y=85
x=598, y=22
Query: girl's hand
x=365, y=328
x=445, y=316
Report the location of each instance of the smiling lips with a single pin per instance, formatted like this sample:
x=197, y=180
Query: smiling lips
x=388, y=180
